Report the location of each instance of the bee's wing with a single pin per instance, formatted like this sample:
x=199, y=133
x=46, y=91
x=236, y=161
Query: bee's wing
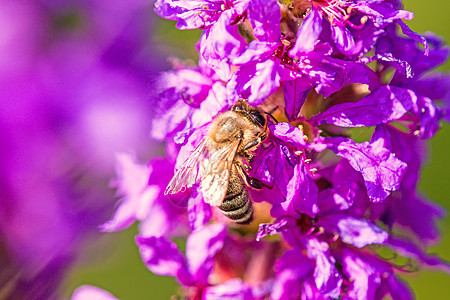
x=216, y=174
x=187, y=174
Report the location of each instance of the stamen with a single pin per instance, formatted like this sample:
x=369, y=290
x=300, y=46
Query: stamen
x=320, y=231
x=338, y=14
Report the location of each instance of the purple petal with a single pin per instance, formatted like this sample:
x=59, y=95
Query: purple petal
x=265, y=16
x=396, y=141
x=430, y=115
x=295, y=92
x=329, y=74
x=163, y=220
x=310, y=292
x=256, y=50
x=381, y=13
x=162, y=257
x=342, y=38
x=365, y=277
x=360, y=233
x=190, y=14
x=281, y=166
x=434, y=86
x=416, y=214
x=383, y=105
x=327, y=278
x=308, y=33
x=220, y=42
x=398, y=289
x=201, y=247
x=271, y=228
x=88, y=292
x=256, y=81
x=211, y=106
x=137, y=196
x=291, y=269
x=336, y=199
x=415, y=36
x=288, y=133
x=232, y=289
x=174, y=90
x=199, y=212
x=401, y=65
x=381, y=170
x=407, y=248
x=302, y=193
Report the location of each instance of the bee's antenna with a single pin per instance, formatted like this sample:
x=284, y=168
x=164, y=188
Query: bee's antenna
x=273, y=110
x=273, y=118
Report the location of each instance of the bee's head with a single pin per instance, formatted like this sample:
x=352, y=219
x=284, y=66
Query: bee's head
x=253, y=114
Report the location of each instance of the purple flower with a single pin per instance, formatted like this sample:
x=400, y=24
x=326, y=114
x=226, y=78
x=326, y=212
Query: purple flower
x=162, y=257
x=69, y=101
x=352, y=27
x=330, y=199
x=142, y=190
x=199, y=13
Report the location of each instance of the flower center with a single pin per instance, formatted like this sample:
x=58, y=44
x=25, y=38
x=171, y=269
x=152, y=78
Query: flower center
x=338, y=12
x=282, y=53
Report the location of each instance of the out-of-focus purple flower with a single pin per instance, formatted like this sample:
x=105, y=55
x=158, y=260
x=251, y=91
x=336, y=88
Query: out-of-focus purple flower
x=141, y=189
x=91, y=292
x=70, y=101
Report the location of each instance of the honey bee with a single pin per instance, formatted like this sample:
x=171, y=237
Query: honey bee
x=219, y=162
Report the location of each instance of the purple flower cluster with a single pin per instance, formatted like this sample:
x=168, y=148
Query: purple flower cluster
x=331, y=203
x=73, y=88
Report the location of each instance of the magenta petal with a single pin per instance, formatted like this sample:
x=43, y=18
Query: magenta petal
x=365, y=277
x=415, y=36
x=230, y=290
x=220, y=42
x=256, y=81
x=265, y=16
x=271, y=228
x=381, y=170
x=88, y=292
x=289, y=134
x=292, y=268
x=336, y=199
x=189, y=13
x=327, y=278
x=199, y=212
x=383, y=105
x=295, y=92
x=342, y=38
x=408, y=249
x=360, y=233
x=398, y=289
x=308, y=33
x=201, y=247
x=137, y=197
x=302, y=193
x=255, y=50
x=162, y=257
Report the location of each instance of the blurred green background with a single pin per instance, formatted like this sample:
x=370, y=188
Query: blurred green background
x=113, y=262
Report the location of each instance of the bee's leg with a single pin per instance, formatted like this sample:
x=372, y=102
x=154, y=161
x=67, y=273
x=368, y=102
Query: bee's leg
x=262, y=135
x=252, y=143
x=248, y=180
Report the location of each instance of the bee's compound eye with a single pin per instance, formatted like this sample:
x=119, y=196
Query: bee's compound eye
x=257, y=118
x=238, y=107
